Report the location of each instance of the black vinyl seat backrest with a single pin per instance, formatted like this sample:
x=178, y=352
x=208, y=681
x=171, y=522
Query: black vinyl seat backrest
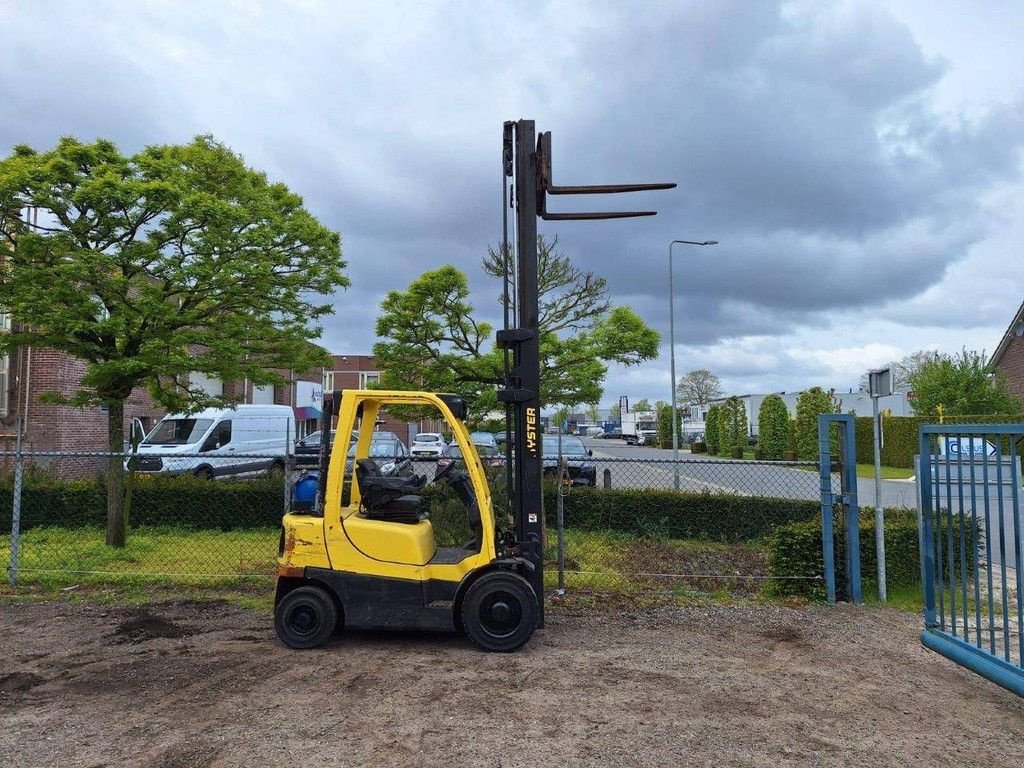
x=392, y=499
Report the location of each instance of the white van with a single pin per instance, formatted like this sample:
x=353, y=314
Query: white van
x=219, y=442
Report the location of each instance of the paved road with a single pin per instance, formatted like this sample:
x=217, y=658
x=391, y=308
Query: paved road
x=653, y=468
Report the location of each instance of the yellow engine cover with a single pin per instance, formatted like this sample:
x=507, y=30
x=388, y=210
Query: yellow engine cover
x=391, y=542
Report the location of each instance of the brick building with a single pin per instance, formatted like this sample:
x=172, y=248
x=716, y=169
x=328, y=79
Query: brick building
x=1009, y=355
x=30, y=373
x=363, y=372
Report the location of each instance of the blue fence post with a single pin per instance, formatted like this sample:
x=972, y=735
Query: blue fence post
x=827, y=502
x=852, y=509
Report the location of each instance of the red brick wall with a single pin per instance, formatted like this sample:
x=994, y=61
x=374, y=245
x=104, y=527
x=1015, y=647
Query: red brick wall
x=1012, y=366
x=52, y=427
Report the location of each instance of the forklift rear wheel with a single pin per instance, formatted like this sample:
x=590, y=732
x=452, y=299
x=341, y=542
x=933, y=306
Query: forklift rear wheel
x=305, y=618
x=499, y=612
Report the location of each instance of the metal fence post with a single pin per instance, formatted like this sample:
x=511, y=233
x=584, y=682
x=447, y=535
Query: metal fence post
x=879, y=512
x=848, y=452
x=607, y=476
x=19, y=470
x=827, y=502
x=289, y=456
x=560, y=507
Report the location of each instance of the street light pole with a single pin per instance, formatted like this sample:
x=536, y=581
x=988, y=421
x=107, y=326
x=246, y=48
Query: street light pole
x=672, y=350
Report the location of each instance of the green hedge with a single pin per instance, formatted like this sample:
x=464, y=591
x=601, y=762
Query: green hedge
x=179, y=501
x=198, y=504
x=795, y=551
x=671, y=514
x=902, y=436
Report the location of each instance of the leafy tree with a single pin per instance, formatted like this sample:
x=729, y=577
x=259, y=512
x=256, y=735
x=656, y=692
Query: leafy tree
x=903, y=369
x=712, y=428
x=615, y=414
x=151, y=266
x=732, y=421
x=643, y=405
x=963, y=385
x=809, y=406
x=773, y=427
x=431, y=341
x=699, y=387
x=593, y=412
x=560, y=416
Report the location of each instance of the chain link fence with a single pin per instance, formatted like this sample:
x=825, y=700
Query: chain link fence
x=628, y=525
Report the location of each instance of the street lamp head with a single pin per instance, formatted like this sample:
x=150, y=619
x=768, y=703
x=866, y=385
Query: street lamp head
x=710, y=242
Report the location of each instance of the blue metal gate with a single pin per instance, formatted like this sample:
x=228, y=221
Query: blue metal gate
x=971, y=545
x=845, y=502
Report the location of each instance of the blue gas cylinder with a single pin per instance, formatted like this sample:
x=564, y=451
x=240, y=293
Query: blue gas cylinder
x=304, y=491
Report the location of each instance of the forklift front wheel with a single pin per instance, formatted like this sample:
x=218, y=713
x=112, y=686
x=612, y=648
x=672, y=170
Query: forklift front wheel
x=305, y=617
x=499, y=612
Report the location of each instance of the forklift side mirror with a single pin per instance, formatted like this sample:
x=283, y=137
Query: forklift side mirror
x=590, y=452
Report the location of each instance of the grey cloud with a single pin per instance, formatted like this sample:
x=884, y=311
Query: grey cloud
x=801, y=135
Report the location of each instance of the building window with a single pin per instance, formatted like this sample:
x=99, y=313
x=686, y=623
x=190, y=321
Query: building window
x=368, y=379
x=263, y=395
x=5, y=367
x=208, y=385
x=328, y=381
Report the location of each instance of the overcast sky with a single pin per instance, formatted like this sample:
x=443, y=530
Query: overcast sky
x=860, y=163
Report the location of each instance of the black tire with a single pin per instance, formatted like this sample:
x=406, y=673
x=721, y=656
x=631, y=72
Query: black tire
x=499, y=612
x=204, y=473
x=305, y=618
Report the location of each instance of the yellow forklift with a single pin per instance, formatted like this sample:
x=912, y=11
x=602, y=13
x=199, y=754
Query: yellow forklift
x=365, y=556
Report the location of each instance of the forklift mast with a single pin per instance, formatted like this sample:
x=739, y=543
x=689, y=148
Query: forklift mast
x=526, y=159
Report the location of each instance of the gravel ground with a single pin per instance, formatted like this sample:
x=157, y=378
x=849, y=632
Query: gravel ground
x=206, y=684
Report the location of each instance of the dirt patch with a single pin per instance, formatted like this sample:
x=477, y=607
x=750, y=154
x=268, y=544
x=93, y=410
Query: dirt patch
x=19, y=681
x=700, y=685
x=147, y=626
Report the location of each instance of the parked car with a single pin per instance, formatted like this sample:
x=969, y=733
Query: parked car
x=307, y=450
x=490, y=457
x=427, y=445
x=390, y=456
x=693, y=437
x=580, y=465
x=615, y=434
x=499, y=438
x=218, y=442
x=483, y=438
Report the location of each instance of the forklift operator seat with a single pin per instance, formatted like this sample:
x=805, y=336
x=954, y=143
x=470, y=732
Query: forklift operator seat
x=390, y=499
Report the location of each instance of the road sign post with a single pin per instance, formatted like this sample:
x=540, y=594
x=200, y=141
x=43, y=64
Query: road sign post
x=880, y=385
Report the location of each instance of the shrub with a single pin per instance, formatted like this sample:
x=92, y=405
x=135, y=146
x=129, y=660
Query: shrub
x=732, y=421
x=712, y=428
x=156, y=500
x=773, y=427
x=794, y=551
x=671, y=514
x=188, y=502
x=809, y=406
x=698, y=447
x=902, y=436
x=665, y=425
